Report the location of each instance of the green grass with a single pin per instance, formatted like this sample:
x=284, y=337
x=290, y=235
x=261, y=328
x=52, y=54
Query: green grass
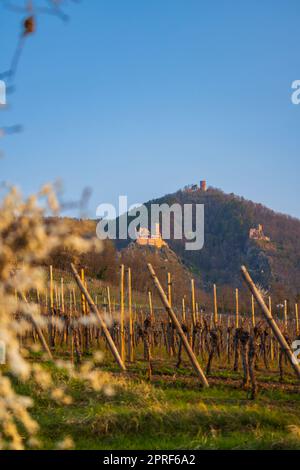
x=171, y=412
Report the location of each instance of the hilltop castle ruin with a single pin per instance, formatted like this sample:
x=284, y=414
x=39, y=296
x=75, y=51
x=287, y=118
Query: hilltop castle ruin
x=190, y=188
x=258, y=234
x=145, y=238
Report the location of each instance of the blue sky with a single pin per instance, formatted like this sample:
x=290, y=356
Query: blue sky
x=142, y=97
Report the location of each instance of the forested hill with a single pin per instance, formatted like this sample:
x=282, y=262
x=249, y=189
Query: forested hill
x=228, y=218
x=274, y=264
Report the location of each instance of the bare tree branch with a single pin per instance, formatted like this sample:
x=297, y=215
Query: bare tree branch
x=31, y=9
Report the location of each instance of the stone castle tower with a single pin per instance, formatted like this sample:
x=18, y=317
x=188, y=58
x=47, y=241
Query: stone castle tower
x=145, y=238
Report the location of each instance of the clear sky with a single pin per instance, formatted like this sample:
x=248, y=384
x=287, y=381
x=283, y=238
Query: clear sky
x=141, y=97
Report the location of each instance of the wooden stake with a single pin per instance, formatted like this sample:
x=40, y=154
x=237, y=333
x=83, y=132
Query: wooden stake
x=71, y=335
x=215, y=306
x=83, y=305
x=102, y=323
x=297, y=319
x=170, y=332
x=109, y=301
x=285, y=313
x=176, y=323
x=237, y=308
x=56, y=296
x=183, y=310
x=131, y=331
x=122, y=314
x=273, y=325
x=51, y=288
x=197, y=312
x=193, y=302
x=150, y=305
x=271, y=336
x=253, y=310
x=169, y=289
x=85, y=302
x=62, y=295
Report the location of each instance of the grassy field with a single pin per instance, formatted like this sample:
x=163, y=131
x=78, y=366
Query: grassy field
x=171, y=412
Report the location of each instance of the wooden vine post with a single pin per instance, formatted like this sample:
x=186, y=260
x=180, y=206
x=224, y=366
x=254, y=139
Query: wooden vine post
x=170, y=332
x=150, y=304
x=271, y=336
x=169, y=289
x=215, y=306
x=109, y=301
x=285, y=314
x=83, y=305
x=183, y=310
x=51, y=330
x=122, y=313
x=197, y=312
x=297, y=319
x=271, y=322
x=177, y=325
x=84, y=312
x=56, y=296
x=253, y=310
x=71, y=329
x=62, y=295
x=237, y=308
x=102, y=323
x=51, y=288
x=193, y=302
x=131, y=331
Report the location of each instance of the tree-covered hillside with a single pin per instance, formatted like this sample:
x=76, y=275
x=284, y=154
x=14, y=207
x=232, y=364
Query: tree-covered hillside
x=275, y=265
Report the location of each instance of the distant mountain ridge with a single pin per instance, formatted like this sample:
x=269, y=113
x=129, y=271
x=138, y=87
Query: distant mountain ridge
x=228, y=219
x=274, y=264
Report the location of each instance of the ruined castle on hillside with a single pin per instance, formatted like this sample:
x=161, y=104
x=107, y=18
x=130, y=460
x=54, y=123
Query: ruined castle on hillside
x=191, y=188
x=145, y=238
x=258, y=234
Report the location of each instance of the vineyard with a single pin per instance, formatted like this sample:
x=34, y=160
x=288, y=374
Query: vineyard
x=90, y=365
x=204, y=375
x=170, y=324
x=78, y=323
